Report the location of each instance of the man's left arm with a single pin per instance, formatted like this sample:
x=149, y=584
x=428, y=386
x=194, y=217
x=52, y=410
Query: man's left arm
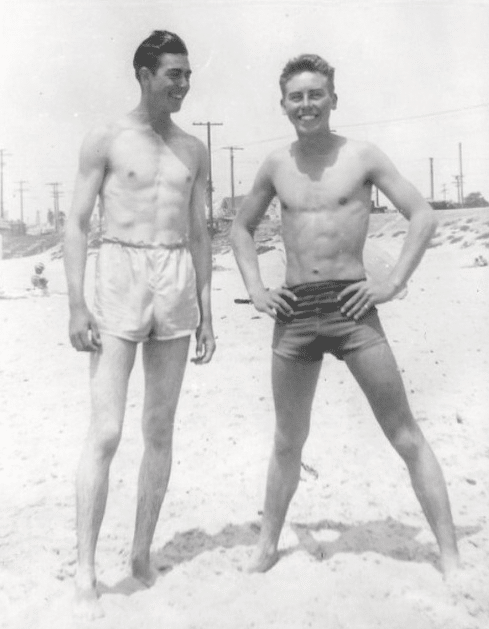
x=421, y=216
x=201, y=250
x=422, y=226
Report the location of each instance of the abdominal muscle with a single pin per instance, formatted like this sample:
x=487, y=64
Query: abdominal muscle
x=319, y=247
x=150, y=214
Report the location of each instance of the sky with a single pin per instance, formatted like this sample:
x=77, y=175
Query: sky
x=411, y=77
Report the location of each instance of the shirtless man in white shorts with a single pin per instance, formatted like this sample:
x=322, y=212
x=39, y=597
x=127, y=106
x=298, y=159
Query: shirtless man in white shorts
x=153, y=286
x=328, y=305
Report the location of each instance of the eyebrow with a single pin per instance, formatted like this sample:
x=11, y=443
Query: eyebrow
x=179, y=70
x=314, y=89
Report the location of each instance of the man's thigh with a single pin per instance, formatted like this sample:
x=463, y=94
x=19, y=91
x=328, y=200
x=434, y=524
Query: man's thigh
x=164, y=367
x=110, y=368
x=294, y=384
x=376, y=371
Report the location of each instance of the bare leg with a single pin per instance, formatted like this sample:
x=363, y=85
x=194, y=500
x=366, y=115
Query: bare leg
x=109, y=374
x=164, y=366
x=294, y=384
x=376, y=371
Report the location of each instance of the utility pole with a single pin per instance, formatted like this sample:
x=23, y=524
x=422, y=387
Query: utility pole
x=231, y=150
x=3, y=153
x=21, y=191
x=375, y=201
x=461, y=174
x=432, y=181
x=209, y=182
x=56, y=194
x=457, y=183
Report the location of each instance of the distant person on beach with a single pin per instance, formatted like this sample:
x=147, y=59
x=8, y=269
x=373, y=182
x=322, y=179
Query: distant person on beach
x=153, y=286
x=38, y=280
x=328, y=305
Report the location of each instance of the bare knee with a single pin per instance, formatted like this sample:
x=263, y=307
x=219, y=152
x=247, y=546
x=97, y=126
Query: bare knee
x=408, y=442
x=289, y=445
x=105, y=440
x=158, y=431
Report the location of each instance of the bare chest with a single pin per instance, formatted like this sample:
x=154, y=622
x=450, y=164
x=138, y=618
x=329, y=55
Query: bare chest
x=139, y=162
x=317, y=189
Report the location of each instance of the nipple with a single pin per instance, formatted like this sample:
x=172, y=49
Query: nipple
x=315, y=271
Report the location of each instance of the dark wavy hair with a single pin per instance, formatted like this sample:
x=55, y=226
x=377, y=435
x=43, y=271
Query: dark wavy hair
x=150, y=50
x=306, y=63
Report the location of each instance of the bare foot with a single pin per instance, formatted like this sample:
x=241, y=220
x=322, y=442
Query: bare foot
x=262, y=561
x=86, y=605
x=143, y=571
x=450, y=567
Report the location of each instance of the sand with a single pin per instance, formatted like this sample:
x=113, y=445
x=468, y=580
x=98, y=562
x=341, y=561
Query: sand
x=356, y=552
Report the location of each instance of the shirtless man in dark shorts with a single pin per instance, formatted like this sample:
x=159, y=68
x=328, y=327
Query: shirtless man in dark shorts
x=153, y=286
x=324, y=183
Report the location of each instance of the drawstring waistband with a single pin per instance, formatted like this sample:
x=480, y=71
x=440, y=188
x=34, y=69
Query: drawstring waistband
x=144, y=245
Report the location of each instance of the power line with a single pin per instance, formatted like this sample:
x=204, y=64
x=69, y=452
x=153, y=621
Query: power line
x=416, y=117
x=386, y=121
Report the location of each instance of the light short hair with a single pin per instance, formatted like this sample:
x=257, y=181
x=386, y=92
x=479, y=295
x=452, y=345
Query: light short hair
x=306, y=63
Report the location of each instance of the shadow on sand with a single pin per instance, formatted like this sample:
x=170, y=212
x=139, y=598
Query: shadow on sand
x=387, y=537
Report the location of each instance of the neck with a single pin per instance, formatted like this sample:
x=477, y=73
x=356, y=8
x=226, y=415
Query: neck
x=318, y=143
x=159, y=120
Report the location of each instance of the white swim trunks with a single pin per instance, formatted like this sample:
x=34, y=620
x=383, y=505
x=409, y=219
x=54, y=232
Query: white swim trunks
x=145, y=291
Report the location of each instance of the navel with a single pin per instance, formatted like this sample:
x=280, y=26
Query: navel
x=343, y=200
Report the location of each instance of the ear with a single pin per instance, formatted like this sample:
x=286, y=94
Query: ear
x=144, y=74
x=282, y=105
x=335, y=101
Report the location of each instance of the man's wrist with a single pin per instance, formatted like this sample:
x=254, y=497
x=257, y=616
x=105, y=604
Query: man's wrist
x=256, y=291
x=77, y=304
x=397, y=284
x=206, y=319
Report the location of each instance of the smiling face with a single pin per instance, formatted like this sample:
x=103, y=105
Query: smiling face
x=308, y=100
x=168, y=86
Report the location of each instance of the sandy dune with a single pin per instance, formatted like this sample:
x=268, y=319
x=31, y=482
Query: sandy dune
x=356, y=552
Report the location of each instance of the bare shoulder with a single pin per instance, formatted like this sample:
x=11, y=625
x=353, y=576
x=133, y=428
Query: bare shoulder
x=274, y=160
x=193, y=148
x=368, y=152
x=97, y=142
x=190, y=142
x=279, y=155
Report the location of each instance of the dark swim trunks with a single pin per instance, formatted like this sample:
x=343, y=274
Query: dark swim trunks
x=317, y=325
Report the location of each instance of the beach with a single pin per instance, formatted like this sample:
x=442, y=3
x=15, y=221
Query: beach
x=356, y=551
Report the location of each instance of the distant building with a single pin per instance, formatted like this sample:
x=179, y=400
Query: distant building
x=378, y=209
x=226, y=209
x=443, y=205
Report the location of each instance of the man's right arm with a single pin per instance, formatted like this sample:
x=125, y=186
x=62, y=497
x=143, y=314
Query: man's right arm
x=91, y=171
x=247, y=220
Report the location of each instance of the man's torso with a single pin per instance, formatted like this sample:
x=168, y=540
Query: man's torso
x=146, y=193
x=325, y=204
